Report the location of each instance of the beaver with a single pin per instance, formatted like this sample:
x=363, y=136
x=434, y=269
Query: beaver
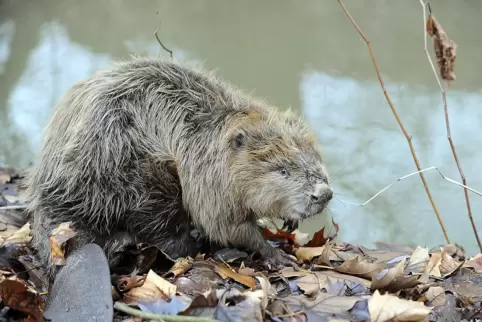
x=148, y=148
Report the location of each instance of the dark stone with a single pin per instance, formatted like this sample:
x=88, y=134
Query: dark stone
x=82, y=289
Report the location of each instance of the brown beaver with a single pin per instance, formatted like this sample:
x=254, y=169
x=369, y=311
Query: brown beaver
x=143, y=150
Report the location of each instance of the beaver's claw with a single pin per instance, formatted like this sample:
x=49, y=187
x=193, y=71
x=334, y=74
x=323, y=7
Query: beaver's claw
x=290, y=225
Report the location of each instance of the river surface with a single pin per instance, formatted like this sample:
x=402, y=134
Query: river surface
x=305, y=55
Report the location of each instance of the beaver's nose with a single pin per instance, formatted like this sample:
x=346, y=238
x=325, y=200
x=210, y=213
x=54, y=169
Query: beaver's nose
x=321, y=192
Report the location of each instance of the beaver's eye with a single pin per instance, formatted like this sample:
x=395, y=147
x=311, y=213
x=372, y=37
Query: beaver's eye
x=283, y=171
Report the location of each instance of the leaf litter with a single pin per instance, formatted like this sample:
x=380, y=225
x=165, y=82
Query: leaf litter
x=335, y=281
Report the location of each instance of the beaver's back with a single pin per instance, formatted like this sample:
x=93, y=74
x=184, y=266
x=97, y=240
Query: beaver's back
x=108, y=160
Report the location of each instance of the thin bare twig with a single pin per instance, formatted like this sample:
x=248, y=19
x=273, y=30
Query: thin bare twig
x=399, y=121
x=447, y=123
x=409, y=175
x=159, y=317
x=159, y=40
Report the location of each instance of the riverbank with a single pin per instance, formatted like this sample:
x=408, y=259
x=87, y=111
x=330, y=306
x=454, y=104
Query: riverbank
x=336, y=281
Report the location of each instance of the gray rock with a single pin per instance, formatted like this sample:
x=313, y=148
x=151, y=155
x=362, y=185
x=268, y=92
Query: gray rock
x=82, y=290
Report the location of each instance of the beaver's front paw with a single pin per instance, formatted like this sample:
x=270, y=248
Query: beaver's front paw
x=276, y=259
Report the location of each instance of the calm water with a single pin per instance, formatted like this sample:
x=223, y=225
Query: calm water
x=307, y=57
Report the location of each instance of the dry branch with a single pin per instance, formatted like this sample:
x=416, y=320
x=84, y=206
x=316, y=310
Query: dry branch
x=405, y=177
x=445, y=53
x=399, y=121
x=159, y=39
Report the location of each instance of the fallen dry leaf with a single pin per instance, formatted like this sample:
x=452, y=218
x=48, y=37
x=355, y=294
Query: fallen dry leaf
x=391, y=308
x=153, y=289
x=448, y=265
x=394, y=279
x=360, y=267
x=202, y=305
x=385, y=253
x=265, y=287
x=324, y=307
x=128, y=282
x=325, y=258
x=308, y=253
x=21, y=236
x=15, y=294
x=225, y=272
x=435, y=296
x=280, y=234
x=475, y=263
x=288, y=272
x=418, y=261
x=247, y=271
x=180, y=267
x=331, y=281
x=58, y=237
x=301, y=238
x=4, y=176
x=445, y=49
x=433, y=266
x=319, y=238
x=454, y=250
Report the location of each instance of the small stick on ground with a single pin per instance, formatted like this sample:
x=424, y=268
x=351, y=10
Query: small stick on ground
x=447, y=120
x=399, y=121
x=158, y=317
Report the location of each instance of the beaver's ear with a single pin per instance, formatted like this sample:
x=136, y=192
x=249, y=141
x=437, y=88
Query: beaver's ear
x=239, y=139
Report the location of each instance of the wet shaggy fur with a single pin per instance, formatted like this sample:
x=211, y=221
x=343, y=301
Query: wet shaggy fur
x=138, y=152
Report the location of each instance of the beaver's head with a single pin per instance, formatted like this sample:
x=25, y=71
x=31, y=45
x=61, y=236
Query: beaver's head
x=276, y=168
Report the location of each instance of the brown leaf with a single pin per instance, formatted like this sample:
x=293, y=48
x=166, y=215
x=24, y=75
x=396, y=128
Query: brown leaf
x=128, y=282
x=445, y=49
x=319, y=238
x=325, y=258
x=432, y=268
x=180, y=267
x=58, y=237
x=435, y=296
x=396, y=248
x=454, y=250
x=394, y=279
x=449, y=265
x=288, y=272
x=391, y=308
x=280, y=234
x=21, y=236
x=225, y=272
x=313, y=282
x=418, y=261
x=153, y=288
x=246, y=271
x=475, y=263
x=325, y=307
x=4, y=176
x=385, y=254
x=202, y=304
x=16, y=295
x=308, y=253
x=360, y=267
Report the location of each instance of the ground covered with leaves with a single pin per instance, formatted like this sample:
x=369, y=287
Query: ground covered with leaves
x=336, y=281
